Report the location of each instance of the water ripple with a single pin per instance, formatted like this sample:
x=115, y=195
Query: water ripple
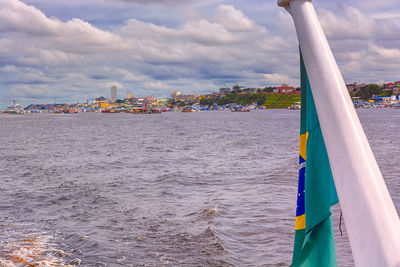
x=201, y=189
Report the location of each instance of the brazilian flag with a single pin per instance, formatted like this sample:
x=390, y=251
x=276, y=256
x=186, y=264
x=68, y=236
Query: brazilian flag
x=314, y=244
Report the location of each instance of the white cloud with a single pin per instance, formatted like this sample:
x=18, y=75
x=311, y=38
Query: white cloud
x=14, y=74
x=154, y=85
x=366, y=48
x=16, y=16
x=108, y=85
x=387, y=55
x=278, y=79
x=160, y=2
x=233, y=19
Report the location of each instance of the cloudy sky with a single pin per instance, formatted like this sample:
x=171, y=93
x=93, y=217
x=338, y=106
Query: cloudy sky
x=70, y=50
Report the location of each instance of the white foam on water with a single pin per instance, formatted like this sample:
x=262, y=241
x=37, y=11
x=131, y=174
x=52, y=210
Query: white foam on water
x=32, y=249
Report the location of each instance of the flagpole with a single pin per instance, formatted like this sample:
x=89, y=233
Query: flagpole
x=371, y=219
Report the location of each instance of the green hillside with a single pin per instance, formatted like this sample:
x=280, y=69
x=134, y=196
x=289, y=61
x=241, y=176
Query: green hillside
x=280, y=101
x=269, y=100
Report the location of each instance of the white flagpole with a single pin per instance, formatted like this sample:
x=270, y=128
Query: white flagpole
x=372, y=222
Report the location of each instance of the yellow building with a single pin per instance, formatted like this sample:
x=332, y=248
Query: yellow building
x=162, y=102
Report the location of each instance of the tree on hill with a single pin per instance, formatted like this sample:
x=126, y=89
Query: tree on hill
x=369, y=90
x=268, y=89
x=236, y=88
x=180, y=103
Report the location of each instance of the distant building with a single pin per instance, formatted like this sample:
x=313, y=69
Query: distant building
x=15, y=108
x=211, y=96
x=163, y=102
x=388, y=87
x=131, y=101
x=175, y=94
x=90, y=101
x=225, y=90
x=236, y=88
x=396, y=88
x=149, y=99
x=284, y=89
x=100, y=99
x=352, y=87
x=129, y=95
x=385, y=100
x=195, y=95
x=113, y=92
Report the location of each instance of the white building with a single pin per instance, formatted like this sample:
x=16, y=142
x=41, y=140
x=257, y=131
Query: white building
x=113, y=92
x=14, y=107
x=175, y=94
x=129, y=95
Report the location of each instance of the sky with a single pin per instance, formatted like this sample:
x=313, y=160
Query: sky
x=66, y=51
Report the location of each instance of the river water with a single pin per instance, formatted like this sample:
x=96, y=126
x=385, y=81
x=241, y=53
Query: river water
x=175, y=189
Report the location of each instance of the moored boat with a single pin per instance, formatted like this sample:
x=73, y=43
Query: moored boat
x=187, y=109
x=240, y=109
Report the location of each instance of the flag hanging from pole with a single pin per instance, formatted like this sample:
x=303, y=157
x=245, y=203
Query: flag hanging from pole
x=314, y=244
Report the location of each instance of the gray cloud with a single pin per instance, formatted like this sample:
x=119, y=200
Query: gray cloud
x=367, y=48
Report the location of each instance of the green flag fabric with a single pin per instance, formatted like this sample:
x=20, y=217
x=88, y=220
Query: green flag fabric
x=314, y=244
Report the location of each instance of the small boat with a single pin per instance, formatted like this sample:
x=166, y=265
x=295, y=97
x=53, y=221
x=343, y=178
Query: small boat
x=187, y=109
x=236, y=109
x=240, y=109
x=295, y=106
x=396, y=106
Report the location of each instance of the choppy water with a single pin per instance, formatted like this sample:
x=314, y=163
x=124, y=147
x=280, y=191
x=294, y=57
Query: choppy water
x=176, y=189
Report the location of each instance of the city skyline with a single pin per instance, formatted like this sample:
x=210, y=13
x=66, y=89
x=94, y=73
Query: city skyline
x=67, y=50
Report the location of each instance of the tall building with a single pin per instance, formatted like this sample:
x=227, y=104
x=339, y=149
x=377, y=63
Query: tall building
x=113, y=92
x=129, y=95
